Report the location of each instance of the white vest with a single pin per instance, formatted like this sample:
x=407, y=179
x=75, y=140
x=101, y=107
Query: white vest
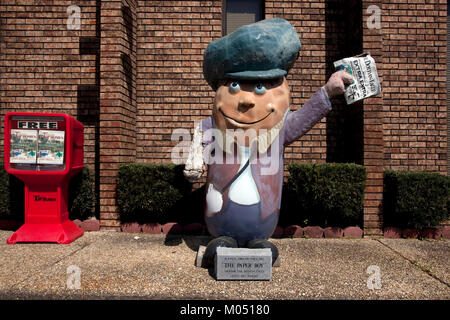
x=243, y=190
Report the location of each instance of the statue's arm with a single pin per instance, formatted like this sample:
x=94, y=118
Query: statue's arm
x=299, y=122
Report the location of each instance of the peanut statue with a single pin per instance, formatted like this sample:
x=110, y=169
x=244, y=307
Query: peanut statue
x=242, y=142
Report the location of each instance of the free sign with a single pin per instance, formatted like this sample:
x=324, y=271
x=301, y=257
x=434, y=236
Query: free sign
x=37, y=125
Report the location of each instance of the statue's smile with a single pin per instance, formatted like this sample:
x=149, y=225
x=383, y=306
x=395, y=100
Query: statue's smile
x=242, y=122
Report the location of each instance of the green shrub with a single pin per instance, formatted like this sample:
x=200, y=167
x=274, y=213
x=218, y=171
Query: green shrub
x=415, y=199
x=329, y=194
x=81, y=195
x=152, y=192
x=11, y=196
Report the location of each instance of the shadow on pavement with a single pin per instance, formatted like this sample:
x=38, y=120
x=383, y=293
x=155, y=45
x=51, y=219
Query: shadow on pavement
x=193, y=242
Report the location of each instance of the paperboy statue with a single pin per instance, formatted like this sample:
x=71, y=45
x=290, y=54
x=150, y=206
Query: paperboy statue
x=242, y=143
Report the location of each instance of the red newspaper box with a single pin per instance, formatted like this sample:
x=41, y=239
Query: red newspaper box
x=44, y=150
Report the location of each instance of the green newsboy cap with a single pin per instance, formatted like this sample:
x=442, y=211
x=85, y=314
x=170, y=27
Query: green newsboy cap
x=263, y=50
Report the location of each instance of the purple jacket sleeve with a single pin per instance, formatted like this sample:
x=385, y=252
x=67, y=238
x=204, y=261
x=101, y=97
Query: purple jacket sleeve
x=205, y=125
x=299, y=122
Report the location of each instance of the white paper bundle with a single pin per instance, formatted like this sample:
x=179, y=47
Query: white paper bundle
x=364, y=70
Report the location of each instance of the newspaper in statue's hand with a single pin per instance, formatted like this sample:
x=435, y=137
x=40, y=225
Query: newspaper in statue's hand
x=364, y=70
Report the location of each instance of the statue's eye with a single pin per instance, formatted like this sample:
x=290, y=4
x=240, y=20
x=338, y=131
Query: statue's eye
x=235, y=87
x=259, y=88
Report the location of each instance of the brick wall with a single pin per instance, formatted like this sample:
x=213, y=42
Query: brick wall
x=171, y=91
x=414, y=88
x=448, y=88
x=117, y=100
x=373, y=147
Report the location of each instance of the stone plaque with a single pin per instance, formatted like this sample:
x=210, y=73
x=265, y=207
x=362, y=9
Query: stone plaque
x=243, y=264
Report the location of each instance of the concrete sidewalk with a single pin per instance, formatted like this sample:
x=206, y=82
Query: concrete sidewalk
x=143, y=266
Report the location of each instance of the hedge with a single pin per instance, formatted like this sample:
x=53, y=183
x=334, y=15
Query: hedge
x=157, y=193
x=12, y=200
x=415, y=199
x=160, y=193
x=81, y=196
x=329, y=194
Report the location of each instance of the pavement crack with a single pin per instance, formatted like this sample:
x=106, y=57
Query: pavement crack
x=50, y=265
x=416, y=263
